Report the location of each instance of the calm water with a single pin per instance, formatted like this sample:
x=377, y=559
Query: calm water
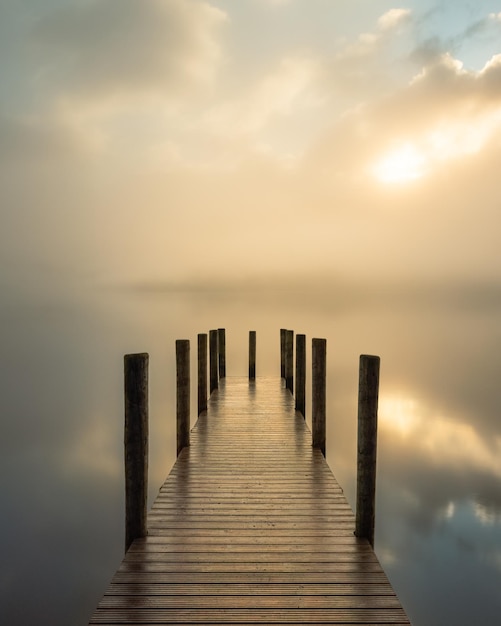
x=438, y=530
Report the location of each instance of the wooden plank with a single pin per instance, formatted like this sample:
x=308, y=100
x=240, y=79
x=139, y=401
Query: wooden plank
x=250, y=536
x=331, y=615
x=216, y=558
x=258, y=589
x=247, y=566
x=251, y=578
x=248, y=544
x=250, y=526
x=248, y=600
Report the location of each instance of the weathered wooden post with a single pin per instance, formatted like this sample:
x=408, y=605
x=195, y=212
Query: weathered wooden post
x=252, y=354
x=221, y=337
x=318, y=392
x=368, y=392
x=213, y=358
x=289, y=360
x=282, y=352
x=202, y=373
x=301, y=374
x=136, y=445
x=183, y=393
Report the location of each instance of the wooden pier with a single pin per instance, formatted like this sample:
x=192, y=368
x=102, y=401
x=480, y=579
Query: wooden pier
x=250, y=527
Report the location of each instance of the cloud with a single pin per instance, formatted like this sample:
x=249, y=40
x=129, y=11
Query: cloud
x=490, y=78
x=296, y=97
x=387, y=26
x=282, y=93
x=115, y=47
x=444, y=92
x=393, y=19
x=370, y=64
x=444, y=113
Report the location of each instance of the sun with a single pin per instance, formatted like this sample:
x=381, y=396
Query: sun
x=403, y=164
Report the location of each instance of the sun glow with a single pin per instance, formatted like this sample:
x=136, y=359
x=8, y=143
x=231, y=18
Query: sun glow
x=404, y=164
x=412, y=160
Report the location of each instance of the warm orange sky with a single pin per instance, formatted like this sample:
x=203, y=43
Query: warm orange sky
x=170, y=139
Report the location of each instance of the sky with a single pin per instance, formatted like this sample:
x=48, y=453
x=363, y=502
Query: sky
x=178, y=165
x=264, y=137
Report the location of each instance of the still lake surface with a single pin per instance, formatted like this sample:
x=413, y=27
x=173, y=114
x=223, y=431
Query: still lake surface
x=438, y=526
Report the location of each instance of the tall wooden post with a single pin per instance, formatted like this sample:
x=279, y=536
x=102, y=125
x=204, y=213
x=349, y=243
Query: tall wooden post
x=183, y=393
x=202, y=373
x=221, y=336
x=368, y=392
x=318, y=392
x=213, y=358
x=301, y=374
x=252, y=355
x=282, y=352
x=136, y=445
x=289, y=360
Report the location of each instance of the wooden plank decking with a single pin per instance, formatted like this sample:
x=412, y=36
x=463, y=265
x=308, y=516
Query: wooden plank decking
x=250, y=527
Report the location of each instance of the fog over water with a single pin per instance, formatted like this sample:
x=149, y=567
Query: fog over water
x=172, y=166
x=438, y=531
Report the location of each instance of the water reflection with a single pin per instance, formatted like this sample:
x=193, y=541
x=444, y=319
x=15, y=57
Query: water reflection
x=438, y=529
x=450, y=570
x=445, y=441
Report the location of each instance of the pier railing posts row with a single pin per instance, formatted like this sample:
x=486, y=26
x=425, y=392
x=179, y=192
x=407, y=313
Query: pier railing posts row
x=136, y=445
x=367, y=416
x=217, y=350
x=318, y=377
x=136, y=416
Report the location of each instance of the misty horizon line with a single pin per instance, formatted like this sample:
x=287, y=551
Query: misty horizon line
x=485, y=293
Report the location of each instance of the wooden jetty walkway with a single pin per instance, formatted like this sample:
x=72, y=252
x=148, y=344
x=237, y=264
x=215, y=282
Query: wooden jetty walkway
x=250, y=527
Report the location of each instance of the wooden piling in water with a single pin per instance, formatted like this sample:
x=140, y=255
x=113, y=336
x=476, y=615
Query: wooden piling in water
x=301, y=374
x=282, y=352
x=136, y=445
x=318, y=393
x=252, y=355
x=202, y=373
x=183, y=393
x=368, y=392
x=213, y=358
x=221, y=348
x=289, y=360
